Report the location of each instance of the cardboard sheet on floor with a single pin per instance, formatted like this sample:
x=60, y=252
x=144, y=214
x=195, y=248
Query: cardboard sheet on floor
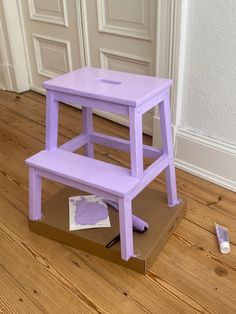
x=149, y=205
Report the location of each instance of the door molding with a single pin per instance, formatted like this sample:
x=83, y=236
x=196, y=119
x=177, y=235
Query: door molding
x=5, y=65
x=168, y=35
x=84, y=22
x=167, y=50
x=16, y=71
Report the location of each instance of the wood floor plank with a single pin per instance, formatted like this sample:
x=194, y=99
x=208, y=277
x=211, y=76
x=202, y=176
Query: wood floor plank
x=197, y=275
x=202, y=210
x=205, y=243
x=154, y=297
x=54, y=263
x=138, y=283
x=205, y=217
x=205, y=257
x=187, y=233
x=189, y=276
x=13, y=298
x=29, y=272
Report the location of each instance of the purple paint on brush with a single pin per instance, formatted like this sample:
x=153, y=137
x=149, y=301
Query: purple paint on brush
x=89, y=213
x=137, y=222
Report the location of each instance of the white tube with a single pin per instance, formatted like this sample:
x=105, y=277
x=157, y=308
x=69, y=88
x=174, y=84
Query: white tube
x=222, y=234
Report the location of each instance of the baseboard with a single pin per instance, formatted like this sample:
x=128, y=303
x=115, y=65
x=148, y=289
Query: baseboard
x=207, y=158
x=123, y=120
x=2, y=80
x=6, y=73
x=156, y=139
x=37, y=89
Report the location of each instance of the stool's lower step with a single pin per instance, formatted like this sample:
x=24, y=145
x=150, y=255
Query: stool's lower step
x=149, y=205
x=81, y=169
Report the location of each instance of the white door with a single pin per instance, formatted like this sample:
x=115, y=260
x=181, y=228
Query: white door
x=121, y=35
x=53, y=37
x=62, y=35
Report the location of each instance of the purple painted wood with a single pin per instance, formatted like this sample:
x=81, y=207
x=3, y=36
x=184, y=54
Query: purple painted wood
x=150, y=174
x=124, y=145
x=117, y=92
x=77, y=185
x=136, y=142
x=107, y=85
x=51, y=121
x=34, y=195
x=96, y=173
x=87, y=116
x=150, y=103
x=165, y=121
x=75, y=143
x=126, y=228
x=92, y=103
x=131, y=189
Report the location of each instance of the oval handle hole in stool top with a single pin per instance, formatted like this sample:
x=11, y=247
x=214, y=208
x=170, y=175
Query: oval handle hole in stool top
x=108, y=81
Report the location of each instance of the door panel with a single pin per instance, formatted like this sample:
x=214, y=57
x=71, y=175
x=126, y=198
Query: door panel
x=53, y=36
x=53, y=56
x=53, y=11
x=126, y=62
x=122, y=38
x=63, y=35
x=126, y=18
x=113, y=32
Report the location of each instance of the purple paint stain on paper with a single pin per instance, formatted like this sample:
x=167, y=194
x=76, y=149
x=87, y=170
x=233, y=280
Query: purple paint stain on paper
x=89, y=213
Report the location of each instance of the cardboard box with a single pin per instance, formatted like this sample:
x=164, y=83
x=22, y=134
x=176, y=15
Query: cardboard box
x=149, y=205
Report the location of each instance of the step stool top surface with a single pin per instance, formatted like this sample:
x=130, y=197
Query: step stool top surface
x=118, y=87
x=95, y=173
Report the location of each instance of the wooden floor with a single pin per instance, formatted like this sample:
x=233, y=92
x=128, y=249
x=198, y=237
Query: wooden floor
x=41, y=276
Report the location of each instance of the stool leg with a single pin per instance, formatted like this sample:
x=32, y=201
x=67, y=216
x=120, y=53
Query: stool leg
x=34, y=195
x=126, y=228
x=87, y=116
x=51, y=121
x=165, y=121
x=136, y=142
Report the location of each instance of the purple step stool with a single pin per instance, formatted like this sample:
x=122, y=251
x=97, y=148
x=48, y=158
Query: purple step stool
x=122, y=93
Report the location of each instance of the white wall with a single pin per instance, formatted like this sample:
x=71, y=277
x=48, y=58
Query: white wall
x=206, y=132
